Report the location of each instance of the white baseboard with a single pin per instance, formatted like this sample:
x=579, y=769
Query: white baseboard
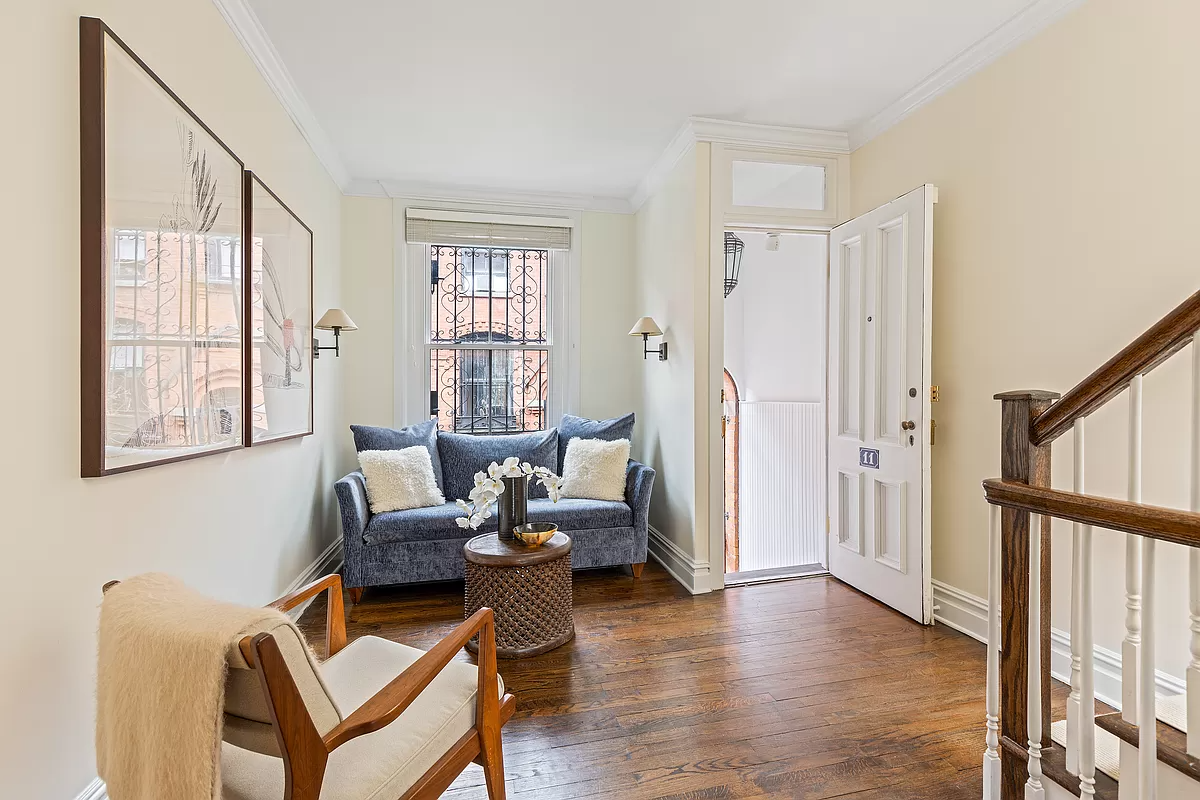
x=95, y=790
x=967, y=613
x=691, y=574
x=328, y=562
x=963, y=611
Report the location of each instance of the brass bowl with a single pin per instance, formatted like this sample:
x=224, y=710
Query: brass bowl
x=535, y=533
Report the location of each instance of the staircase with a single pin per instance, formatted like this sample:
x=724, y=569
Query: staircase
x=1144, y=751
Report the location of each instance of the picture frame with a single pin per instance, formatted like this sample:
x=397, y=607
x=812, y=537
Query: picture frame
x=161, y=280
x=279, y=307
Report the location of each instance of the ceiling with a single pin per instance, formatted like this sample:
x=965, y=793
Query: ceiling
x=582, y=97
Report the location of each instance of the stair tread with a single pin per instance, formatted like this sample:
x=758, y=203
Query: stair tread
x=1054, y=766
x=1172, y=743
x=1108, y=748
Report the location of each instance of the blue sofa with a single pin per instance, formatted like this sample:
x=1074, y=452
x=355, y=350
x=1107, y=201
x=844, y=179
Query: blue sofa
x=425, y=544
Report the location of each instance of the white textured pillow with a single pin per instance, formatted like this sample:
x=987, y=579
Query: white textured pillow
x=595, y=469
x=399, y=479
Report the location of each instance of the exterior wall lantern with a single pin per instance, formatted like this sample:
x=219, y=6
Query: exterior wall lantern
x=733, y=260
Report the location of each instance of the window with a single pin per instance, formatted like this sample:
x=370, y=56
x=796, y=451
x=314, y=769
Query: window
x=485, y=271
x=488, y=338
x=222, y=259
x=129, y=262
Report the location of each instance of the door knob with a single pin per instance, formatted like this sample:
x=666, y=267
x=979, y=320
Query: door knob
x=908, y=425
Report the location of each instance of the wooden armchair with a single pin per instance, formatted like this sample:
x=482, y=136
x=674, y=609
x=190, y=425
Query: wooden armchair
x=415, y=719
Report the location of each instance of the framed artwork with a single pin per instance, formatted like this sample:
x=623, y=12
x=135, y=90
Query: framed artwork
x=161, y=255
x=279, y=308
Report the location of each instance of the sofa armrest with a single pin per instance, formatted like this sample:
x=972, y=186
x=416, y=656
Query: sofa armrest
x=356, y=513
x=639, y=482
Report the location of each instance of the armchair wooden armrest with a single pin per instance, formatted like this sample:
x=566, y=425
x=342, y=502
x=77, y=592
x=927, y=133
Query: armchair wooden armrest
x=390, y=702
x=335, y=617
x=298, y=735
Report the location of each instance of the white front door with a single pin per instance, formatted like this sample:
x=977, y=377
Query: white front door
x=880, y=313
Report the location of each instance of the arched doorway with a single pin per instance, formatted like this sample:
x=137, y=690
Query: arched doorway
x=729, y=432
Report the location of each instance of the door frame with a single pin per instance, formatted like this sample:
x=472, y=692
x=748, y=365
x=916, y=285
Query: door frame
x=720, y=222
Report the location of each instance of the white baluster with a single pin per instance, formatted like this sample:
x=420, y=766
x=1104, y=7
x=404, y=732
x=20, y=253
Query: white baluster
x=991, y=755
x=1034, y=790
x=1146, y=713
x=1076, y=601
x=1193, y=670
x=1131, y=647
x=1147, y=708
x=1083, y=634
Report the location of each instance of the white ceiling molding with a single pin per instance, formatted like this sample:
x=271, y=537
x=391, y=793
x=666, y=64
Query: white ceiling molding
x=257, y=44
x=1020, y=27
x=416, y=190
x=735, y=134
x=680, y=145
x=775, y=137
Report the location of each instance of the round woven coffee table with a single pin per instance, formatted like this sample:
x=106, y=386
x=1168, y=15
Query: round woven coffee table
x=528, y=589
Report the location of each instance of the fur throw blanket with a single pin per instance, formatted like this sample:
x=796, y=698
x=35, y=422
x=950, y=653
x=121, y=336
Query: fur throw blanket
x=160, y=687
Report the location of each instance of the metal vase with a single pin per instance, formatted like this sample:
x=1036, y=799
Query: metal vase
x=514, y=505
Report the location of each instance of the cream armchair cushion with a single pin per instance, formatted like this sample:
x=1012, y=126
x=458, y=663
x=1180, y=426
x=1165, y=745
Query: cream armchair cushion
x=380, y=765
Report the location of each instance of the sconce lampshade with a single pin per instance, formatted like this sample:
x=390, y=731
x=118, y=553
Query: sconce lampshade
x=646, y=326
x=335, y=319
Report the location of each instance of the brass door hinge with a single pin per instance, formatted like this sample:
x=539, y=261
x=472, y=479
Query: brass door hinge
x=933, y=393
x=932, y=432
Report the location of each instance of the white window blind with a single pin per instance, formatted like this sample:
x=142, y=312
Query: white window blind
x=486, y=230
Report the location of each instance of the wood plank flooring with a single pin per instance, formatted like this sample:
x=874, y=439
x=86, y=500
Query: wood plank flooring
x=800, y=689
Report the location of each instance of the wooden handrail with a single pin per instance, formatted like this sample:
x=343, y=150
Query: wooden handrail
x=1156, y=345
x=1167, y=524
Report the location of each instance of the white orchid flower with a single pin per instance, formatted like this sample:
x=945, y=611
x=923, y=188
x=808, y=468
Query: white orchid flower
x=489, y=486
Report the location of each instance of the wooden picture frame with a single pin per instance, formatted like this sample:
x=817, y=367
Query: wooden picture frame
x=161, y=284
x=278, y=363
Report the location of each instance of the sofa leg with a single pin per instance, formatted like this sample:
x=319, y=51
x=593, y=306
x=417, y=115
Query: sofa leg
x=356, y=593
x=637, y=569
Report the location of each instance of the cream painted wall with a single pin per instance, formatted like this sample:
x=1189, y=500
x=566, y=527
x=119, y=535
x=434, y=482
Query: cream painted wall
x=1064, y=228
x=609, y=375
x=671, y=236
x=608, y=370
x=242, y=525
x=368, y=290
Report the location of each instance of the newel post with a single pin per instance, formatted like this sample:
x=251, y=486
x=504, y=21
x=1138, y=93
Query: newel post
x=1021, y=462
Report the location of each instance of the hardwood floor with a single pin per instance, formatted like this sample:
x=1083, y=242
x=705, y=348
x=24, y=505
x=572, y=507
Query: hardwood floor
x=803, y=689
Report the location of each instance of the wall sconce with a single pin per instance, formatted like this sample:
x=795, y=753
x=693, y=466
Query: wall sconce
x=647, y=327
x=337, y=321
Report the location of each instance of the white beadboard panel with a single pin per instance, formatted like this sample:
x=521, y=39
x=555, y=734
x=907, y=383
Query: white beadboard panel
x=782, y=485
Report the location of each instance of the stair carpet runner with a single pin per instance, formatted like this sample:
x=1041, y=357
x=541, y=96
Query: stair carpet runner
x=1170, y=710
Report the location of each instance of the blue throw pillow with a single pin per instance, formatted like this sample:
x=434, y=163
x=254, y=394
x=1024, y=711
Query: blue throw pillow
x=424, y=434
x=463, y=455
x=580, y=428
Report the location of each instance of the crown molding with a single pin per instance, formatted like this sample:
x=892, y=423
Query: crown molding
x=249, y=31
x=1022, y=26
x=680, y=145
x=778, y=137
x=418, y=190
x=747, y=135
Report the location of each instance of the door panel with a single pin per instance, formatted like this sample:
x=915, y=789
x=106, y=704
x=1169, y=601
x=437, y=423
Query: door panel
x=880, y=300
